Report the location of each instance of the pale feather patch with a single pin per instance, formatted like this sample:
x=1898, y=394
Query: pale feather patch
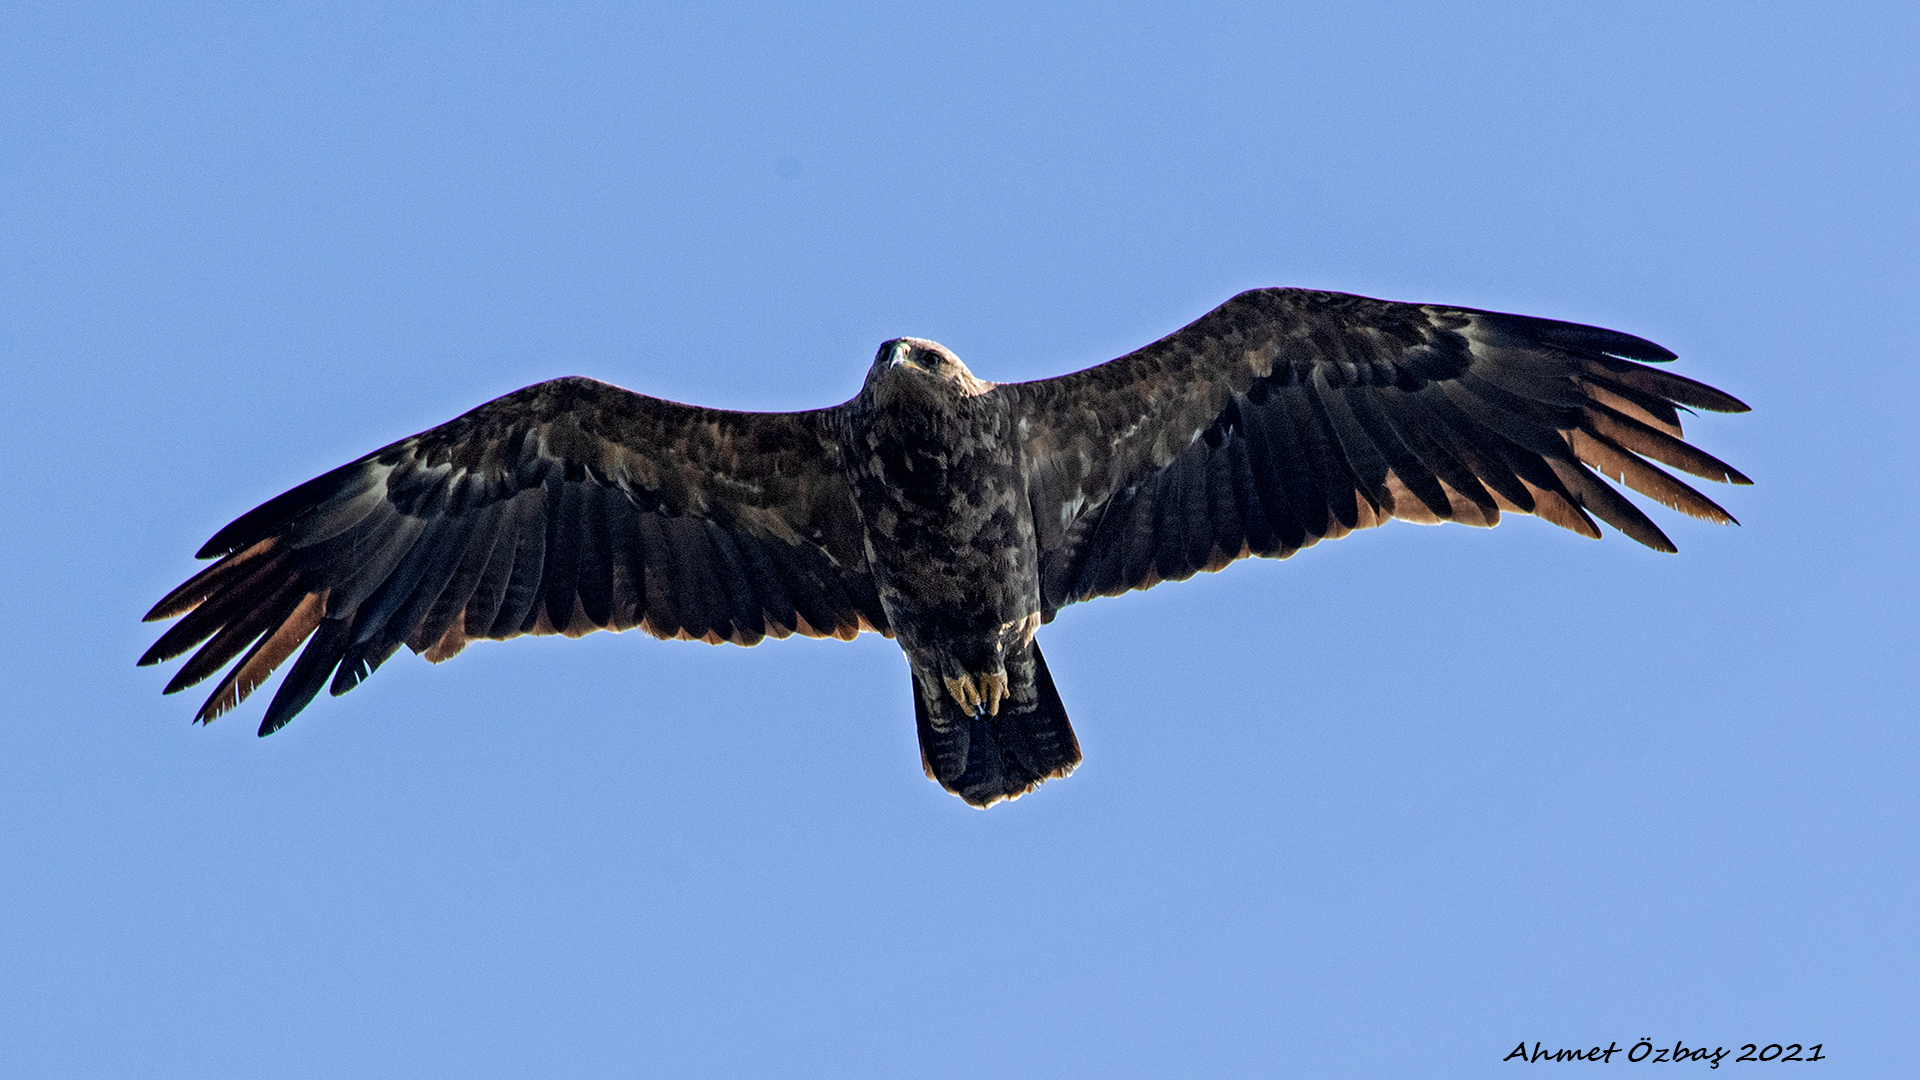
x=1619, y=404
x=1260, y=360
x=450, y=643
x=1406, y=505
x=1468, y=512
x=247, y=676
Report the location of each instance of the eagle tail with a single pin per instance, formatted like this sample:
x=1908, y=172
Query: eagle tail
x=986, y=758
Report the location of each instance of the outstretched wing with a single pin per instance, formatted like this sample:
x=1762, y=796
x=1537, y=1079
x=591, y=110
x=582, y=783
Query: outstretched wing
x=1284, y=417
x=566, y=507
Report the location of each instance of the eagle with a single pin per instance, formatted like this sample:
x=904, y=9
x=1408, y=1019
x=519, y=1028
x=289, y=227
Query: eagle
x=951, y=514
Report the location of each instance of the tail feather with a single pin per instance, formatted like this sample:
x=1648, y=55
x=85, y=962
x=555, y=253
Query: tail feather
x=984, y=759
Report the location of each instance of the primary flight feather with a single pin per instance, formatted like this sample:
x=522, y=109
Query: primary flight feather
x=951, y=514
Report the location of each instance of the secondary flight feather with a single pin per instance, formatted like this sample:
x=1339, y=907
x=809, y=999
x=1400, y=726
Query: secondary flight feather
x=951, y=514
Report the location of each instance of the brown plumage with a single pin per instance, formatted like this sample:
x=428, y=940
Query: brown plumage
x=952, y=514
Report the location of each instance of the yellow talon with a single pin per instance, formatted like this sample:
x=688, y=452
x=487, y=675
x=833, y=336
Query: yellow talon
x=993, y=687
x=976, y=695
x=962, y=691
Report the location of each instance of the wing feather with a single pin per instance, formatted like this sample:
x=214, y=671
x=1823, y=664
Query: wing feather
x=693, y=579
x=205, y=617
x=213, y=579
x=1365, y=464
x=1305, y=415
x=1224, y=515
x=763, y=577
x=1405, y=466
x=1327, y=491
x=593, y=574
x=1139, y=552
x=748, y=621
x=449, y=607
x=560, y=564
x=1175, y=528
x=270, y=652
x=527, y=553
x=1258, y=533
x=238, y=635
x=626, y=559
x=566, y=507
x=1647, y=441
x=308, y=674
x=1609, y=458
x=1278, y=470
x=662, y=587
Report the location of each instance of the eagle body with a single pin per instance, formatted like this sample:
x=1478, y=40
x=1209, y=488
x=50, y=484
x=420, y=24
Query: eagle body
x=952, y=514
x=939, y=476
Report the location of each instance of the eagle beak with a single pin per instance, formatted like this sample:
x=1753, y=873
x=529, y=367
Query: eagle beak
x=901, y=351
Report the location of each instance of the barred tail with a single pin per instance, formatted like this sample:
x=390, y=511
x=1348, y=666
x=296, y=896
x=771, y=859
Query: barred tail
x=984, y=759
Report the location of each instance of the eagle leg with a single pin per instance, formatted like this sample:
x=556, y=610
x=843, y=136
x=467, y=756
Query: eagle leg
x=993, y=688
x=978, y=693
x=960, y=688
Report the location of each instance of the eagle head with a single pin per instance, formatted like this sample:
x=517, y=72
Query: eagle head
x=921, y=368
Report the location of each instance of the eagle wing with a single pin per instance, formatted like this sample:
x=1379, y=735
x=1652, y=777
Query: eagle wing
x=1286, y=416
x=567, y=507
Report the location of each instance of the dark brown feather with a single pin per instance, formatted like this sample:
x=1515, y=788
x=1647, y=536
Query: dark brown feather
x=236, y=593
x=449, y=608
x=240, y=634
x=1327, y=496
x=207, y=582
x=1592, y=494
x=519, y=607
x=308, y=674
x=1364, y=462
x=1631, y=434
x=563, y=508
x=1225, y=516
x=268, y=653
x=1665, y=384
x=560, y=562
x=1329, y=412
x=1277, y=467
x=593, y=574
x=1611, y=460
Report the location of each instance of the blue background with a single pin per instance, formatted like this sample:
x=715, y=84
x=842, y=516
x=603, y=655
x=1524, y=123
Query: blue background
x=1386, y=809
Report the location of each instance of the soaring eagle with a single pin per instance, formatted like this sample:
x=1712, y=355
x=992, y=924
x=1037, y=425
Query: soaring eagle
x=949, y=513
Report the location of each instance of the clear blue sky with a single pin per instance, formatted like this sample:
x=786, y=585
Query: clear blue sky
x=1385, y=809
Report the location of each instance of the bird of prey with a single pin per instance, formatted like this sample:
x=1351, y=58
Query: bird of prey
x=951, y=514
